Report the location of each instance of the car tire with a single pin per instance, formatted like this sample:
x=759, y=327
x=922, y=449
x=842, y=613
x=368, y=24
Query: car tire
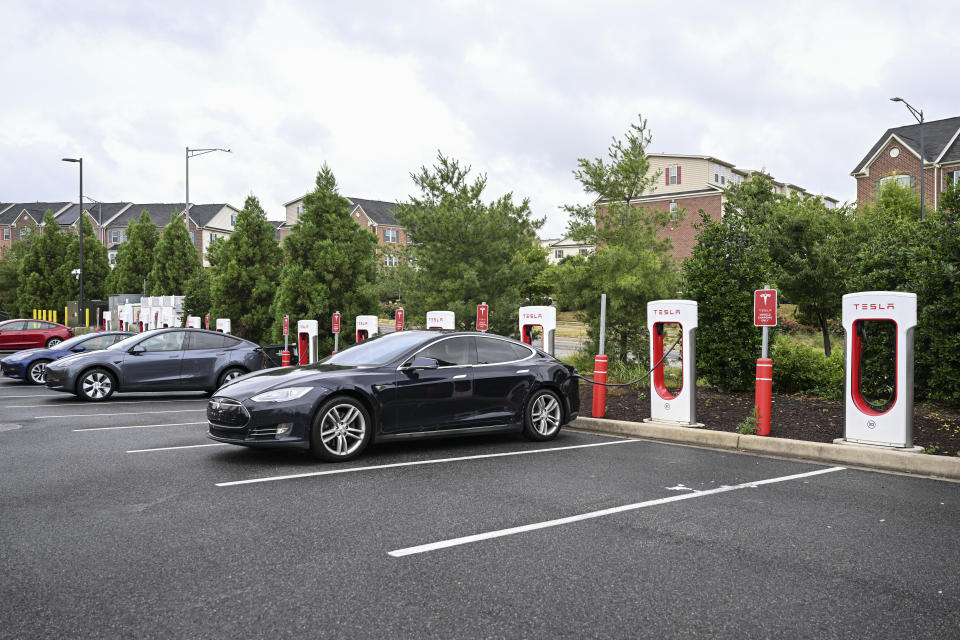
x=341, y=430
x=543, y=416
x=228, y=375
x=34, y=373
x=96, y=385
x=52, y=342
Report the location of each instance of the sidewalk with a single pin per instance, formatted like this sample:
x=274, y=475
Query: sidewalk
x=863, y=456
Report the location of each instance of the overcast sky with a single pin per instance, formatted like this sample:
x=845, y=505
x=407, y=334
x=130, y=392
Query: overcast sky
x=519, y=90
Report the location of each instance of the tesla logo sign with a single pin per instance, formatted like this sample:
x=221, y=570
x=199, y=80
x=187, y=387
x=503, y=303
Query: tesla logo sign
x=765, y=307
x=483, y=312
x=336, y=322
x=666, y=312
x=533, y=316
x=399, y=319
x=872, y=306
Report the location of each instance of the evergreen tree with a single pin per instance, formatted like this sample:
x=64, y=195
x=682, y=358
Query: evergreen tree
x=9, y=275
x=134, y=257
x=631, y=263
x=175, y=260
x=468, y=251
x=96, y=265
x=329, y=265
x=44, y=272
x=196, y=295
x=244, y=277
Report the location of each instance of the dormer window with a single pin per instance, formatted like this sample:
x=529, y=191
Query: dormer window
x=673, y=175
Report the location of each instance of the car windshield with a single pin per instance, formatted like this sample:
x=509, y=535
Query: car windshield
x=126, y=343
x=74, y=341
x=379, y=350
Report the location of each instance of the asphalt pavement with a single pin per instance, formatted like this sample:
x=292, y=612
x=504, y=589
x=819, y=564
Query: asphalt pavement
x=121, y=519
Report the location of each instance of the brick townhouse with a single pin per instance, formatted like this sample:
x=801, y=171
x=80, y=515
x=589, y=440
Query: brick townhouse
x=694, y=182
x=896, y=157
x=209, y=223
x=376, y=216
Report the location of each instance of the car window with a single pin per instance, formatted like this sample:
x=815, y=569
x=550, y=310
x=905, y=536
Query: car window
x=100, y=342
x=14, y=326
x=35, y=325
x=200, y=340
x=117, y=337
x=169, y=341
x=491, y=350
x=379, y=350
x=452, y=352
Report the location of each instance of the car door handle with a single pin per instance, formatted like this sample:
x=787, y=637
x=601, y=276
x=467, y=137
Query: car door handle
x=462, y=375
x=523, y=370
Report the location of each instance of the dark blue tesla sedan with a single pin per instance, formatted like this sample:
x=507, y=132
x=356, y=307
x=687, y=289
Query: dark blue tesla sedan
x=158, y=360
x=30, y=364
x=401, y=385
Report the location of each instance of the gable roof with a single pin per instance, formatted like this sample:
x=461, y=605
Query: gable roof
x=937, y=134
x=35, y=210
x=377, y=210
x=160, y=213
x=105, y=210
x=202, y=214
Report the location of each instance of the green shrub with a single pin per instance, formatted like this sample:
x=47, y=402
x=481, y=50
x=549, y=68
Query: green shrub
x=798, y=368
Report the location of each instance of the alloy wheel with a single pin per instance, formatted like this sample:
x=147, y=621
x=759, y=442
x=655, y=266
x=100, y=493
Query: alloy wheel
x=342, y=429
x=545, y=414
x=96, y=385
x=53, y=342
x=36, y=372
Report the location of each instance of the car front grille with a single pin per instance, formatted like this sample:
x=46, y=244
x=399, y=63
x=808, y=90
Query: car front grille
x=232, y=434
x=226, y=412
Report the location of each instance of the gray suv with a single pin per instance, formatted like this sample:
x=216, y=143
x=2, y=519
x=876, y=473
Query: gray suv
x=158, y=360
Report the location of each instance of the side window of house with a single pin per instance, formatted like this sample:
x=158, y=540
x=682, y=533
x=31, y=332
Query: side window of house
x=674, y=212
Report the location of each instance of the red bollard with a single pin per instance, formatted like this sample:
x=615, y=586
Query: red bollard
x=599, y=391
x=284, y=358
x=763, y=394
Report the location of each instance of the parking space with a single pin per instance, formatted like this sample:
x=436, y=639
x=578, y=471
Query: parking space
x=123, y=519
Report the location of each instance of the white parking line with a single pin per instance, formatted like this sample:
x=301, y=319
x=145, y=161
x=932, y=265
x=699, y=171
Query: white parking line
x=421, y=462
x=453, y=542
x=87, y=404
x=186, y=446
x=142, y=426
x=35, y=395
x=128, y=413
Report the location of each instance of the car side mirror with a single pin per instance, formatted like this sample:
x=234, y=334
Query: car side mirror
x=421, y=363
x=137, y=349
x=79, y=348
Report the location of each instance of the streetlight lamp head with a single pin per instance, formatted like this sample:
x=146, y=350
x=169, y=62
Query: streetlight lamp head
x=70, y=159
x=896, y=99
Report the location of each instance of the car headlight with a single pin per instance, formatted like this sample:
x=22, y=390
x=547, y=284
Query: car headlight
x=282, y=395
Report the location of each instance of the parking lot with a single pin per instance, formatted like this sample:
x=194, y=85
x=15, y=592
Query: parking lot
x=123, y=519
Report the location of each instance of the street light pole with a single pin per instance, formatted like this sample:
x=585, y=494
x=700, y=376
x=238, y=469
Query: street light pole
x=189, y=154
x=80, y=234
x=919, y=117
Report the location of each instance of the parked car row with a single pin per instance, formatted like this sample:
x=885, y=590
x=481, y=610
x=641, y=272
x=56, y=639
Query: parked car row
x=400, y=385
x=27, y=334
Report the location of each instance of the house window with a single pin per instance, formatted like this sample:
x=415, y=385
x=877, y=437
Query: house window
x=233, y=219
x=6, y=234
x=391, y=235
x=299, y=209
x=673, y=175
x=909, y=182
x=674, y=212
x=213, y=238
x=716, y=172
x=953, y=178
x=558, y=254
x=113, y=258
x=584, y=252
x=390, y=261
x=116, y=237
x=23, y=233
x=723, y=175
x=192, y=238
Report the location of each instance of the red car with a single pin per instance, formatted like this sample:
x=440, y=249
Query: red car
x=27, y=334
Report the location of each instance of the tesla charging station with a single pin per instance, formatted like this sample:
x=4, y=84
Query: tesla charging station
x=889, y=424
x=543, y=317
x=193, y=322
x=307, y=333
x=367, y=327
x=665, y=406
x=441, y=320
x=223, y=325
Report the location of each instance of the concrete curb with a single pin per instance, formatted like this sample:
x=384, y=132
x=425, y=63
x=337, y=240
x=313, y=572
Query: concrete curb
x=842, y=454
